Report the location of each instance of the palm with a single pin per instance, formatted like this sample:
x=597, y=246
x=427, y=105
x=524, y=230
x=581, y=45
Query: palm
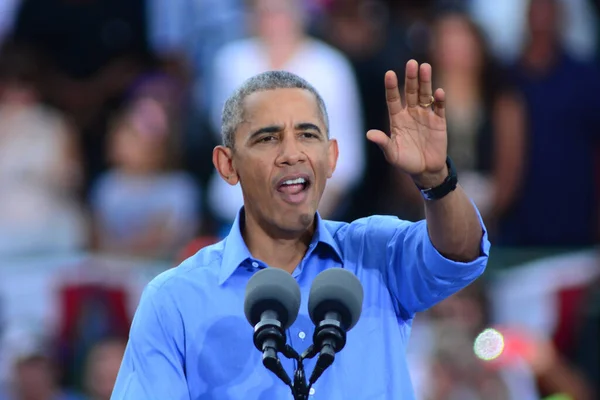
x=418, y=140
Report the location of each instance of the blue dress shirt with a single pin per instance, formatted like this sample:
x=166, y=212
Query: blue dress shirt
x=190, y=339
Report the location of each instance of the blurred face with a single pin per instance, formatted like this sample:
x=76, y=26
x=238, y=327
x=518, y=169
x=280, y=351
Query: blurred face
x=134, y=152
x=543, y=17
x=104, y=365
x=138, y=143
x=456, y=47
x=277, y=19
x=282, y=158
x=34, y=379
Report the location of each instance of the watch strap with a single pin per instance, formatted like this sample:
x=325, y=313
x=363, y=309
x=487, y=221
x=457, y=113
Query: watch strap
x=449, y=184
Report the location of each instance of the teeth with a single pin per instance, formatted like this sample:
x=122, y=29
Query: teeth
x=296, y=181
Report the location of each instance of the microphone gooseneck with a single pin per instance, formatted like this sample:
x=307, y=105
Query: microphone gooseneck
x=334, y=305
x=271, y=305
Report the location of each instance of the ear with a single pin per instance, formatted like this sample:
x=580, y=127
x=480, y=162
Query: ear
x=223, y=162
x=332, y=154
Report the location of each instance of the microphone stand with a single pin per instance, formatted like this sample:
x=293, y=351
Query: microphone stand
x=299, y=388
x=328, y=339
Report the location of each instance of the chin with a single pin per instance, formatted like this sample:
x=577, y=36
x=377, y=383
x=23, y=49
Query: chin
x=296, y=220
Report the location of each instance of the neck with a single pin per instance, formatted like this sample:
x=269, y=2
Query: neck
x=277, y=248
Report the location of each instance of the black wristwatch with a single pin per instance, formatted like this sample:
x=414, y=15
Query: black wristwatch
x=449, y=184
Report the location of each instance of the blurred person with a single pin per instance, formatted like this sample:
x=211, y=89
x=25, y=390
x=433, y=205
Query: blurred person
x=365, y=32
x=463, y=316
x=280, y=43
x=505, y=23
x=102, y=367
x=92, y=49
x=526, y=360
x=276, y=144
x=35, y=378
x=144, y=205
x=561, y=130
x=40, y=171
x=33, y=373
x=486, y=117
x=456, y=372
x=185, y=36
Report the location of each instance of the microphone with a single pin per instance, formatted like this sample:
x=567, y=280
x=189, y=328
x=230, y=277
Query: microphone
x=334, y=305
x=271, y=305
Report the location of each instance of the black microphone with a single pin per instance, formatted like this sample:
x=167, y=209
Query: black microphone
x=271, y=305
x=334, y=306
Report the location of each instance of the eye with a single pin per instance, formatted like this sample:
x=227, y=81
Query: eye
x=265, y=139
x=309, y=135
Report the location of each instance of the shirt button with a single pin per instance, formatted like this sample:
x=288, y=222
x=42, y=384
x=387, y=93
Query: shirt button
x=255, y=264
x=311, y=391
x=302, y=335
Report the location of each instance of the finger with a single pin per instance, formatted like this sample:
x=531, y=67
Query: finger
x=392, y=93
x=411, y=83
x=380, y=139
x=425, y=90
x=439, y=106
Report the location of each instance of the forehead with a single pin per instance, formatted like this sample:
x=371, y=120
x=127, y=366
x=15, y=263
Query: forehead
x=279, y=106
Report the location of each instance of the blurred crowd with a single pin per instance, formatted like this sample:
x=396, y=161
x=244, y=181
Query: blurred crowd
x=110, y=109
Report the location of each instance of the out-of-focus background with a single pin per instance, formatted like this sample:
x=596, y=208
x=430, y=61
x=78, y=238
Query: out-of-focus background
x=109, y=110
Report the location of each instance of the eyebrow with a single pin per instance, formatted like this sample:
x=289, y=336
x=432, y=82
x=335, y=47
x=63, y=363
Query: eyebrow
x=266, y=129
x=306, y=126
x=303, y=126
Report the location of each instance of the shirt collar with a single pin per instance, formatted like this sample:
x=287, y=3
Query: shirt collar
x=235, y=251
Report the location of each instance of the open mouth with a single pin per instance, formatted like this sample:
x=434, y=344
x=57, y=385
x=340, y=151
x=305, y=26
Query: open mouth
x=294, y=188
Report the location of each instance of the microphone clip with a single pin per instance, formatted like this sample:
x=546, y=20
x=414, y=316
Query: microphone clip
x=329, y=338
x=270, y=338
x=330, y=334
x=269, y=333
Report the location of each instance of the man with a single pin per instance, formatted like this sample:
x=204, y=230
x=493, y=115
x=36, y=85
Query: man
x=189, y=338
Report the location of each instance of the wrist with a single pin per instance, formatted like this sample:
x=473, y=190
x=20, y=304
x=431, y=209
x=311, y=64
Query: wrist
x=428, y=180
x=436, y=185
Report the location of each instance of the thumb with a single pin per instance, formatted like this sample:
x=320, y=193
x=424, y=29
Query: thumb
x=380, y=139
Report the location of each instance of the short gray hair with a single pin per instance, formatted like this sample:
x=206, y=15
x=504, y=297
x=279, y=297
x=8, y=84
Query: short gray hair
x=233, y=111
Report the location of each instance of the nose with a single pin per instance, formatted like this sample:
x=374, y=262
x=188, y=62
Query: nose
x=290, y=151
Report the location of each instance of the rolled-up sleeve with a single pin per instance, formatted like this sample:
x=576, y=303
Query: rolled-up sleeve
x=419, y=276
x=153, y=364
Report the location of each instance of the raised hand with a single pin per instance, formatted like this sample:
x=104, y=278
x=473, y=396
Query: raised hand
x=417, y=143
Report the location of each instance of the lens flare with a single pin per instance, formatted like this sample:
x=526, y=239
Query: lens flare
x=489, y=344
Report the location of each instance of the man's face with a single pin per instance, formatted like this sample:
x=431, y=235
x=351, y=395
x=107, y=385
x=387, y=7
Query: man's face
x=282, y=158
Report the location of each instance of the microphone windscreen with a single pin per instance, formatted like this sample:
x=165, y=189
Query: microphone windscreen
x=272, y=289
x=339, y=290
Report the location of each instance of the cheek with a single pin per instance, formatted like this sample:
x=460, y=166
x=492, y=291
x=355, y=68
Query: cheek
x=254, y=173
